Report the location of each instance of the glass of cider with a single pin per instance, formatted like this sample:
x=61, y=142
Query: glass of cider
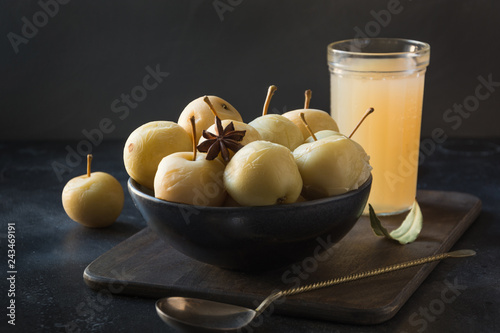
x=388, y=75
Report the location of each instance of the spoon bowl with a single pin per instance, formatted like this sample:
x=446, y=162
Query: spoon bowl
x=198, y=315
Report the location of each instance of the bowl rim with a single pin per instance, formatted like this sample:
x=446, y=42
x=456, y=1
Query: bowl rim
x=134, y=187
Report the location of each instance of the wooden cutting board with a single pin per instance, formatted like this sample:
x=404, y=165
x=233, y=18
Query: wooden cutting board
x=144, y=265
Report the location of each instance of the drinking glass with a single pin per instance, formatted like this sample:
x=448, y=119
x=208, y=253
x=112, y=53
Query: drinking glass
x=388, y=75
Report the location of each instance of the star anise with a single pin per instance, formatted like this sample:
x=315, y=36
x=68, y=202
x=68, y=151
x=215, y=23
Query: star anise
x=224, y=139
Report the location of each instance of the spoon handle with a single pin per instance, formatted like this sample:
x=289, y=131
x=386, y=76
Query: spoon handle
x=357, y=276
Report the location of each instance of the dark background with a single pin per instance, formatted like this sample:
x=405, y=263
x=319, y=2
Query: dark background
x=65, y=78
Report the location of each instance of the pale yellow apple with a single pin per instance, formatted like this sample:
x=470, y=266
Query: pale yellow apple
x=323, y=134
x=198, y=182
x=204, y=116
x=251, y=133
x=263, y=173
x=278, y=129
x=331, y=166
x=94, y=201
x=317, y=120
x=148, y=144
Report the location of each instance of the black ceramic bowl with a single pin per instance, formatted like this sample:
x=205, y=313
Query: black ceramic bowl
x=252, y=238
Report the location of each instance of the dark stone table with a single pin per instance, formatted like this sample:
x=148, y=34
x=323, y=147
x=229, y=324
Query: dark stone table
x=51, y=251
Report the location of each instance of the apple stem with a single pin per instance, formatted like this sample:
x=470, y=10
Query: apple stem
x=270, y=93
x=303, y=117
x=207, y=100
x=368, y=112
x=307, y=101
x=89, y=162
x=193, y=129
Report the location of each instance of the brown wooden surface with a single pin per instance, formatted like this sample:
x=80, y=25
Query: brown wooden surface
x=145, y=266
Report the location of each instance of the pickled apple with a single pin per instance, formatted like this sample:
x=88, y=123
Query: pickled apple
x=278, y=129
x=263, y=173
x=148, y=144
x=318, y=120
x=322, y=134
x=204, y=116
x=198, y=182
x=331, y=166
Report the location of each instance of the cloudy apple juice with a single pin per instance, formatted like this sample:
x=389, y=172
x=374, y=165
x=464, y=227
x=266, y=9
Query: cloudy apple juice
x=394, y=87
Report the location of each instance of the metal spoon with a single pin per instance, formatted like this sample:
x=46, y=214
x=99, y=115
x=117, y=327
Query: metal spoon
x=192, y=314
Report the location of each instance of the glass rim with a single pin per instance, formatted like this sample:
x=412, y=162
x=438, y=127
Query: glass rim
x=422, y=48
